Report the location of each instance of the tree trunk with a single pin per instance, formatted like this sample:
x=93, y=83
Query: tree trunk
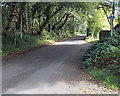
x=49, y=28
x=26, y=13
x=21, y=33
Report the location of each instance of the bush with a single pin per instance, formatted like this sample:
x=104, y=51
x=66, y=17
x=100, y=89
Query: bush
x=26, y=42
x=29, y=41
x=102, y=51
x=104, y=55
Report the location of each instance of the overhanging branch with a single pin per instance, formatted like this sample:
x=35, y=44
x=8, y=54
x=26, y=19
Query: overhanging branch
x=106, y=14
x=54, y=26
x=67, y=16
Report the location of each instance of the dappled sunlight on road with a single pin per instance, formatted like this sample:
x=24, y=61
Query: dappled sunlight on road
x=76, y=42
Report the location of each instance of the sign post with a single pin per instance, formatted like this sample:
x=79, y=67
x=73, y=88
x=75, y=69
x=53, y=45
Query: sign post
x=111, y=24
x=14, y=19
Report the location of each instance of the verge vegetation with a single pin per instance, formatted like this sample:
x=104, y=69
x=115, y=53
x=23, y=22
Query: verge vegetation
x=30, y=41
x=102, y=61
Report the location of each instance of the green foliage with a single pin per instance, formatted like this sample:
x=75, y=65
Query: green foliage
x=29, y=41
x=35, y=17
x=104, y=77
x=26, y=42
x=94, y=23
x=104, y=49
x=104, y=55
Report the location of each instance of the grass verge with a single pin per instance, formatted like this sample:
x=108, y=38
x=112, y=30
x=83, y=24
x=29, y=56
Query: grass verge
x=91, y=40
x=104, y=77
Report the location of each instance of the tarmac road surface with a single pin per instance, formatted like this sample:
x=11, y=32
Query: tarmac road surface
x=53, y=69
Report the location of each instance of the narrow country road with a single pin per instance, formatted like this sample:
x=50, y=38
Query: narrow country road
x=53, y=69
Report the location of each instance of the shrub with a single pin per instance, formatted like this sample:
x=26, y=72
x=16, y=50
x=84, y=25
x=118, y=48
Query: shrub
x=102, y=52
x=104, y=56
x=29, y=41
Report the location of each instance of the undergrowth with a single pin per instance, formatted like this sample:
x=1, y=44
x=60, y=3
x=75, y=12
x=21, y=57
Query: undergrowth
x=29, y=41
x=102, y=61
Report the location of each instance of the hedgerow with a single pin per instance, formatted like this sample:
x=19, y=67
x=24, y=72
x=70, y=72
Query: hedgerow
x=104, y=55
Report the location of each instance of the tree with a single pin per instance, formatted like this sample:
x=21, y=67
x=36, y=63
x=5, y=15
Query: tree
x=109, y=7
x=35, y=17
